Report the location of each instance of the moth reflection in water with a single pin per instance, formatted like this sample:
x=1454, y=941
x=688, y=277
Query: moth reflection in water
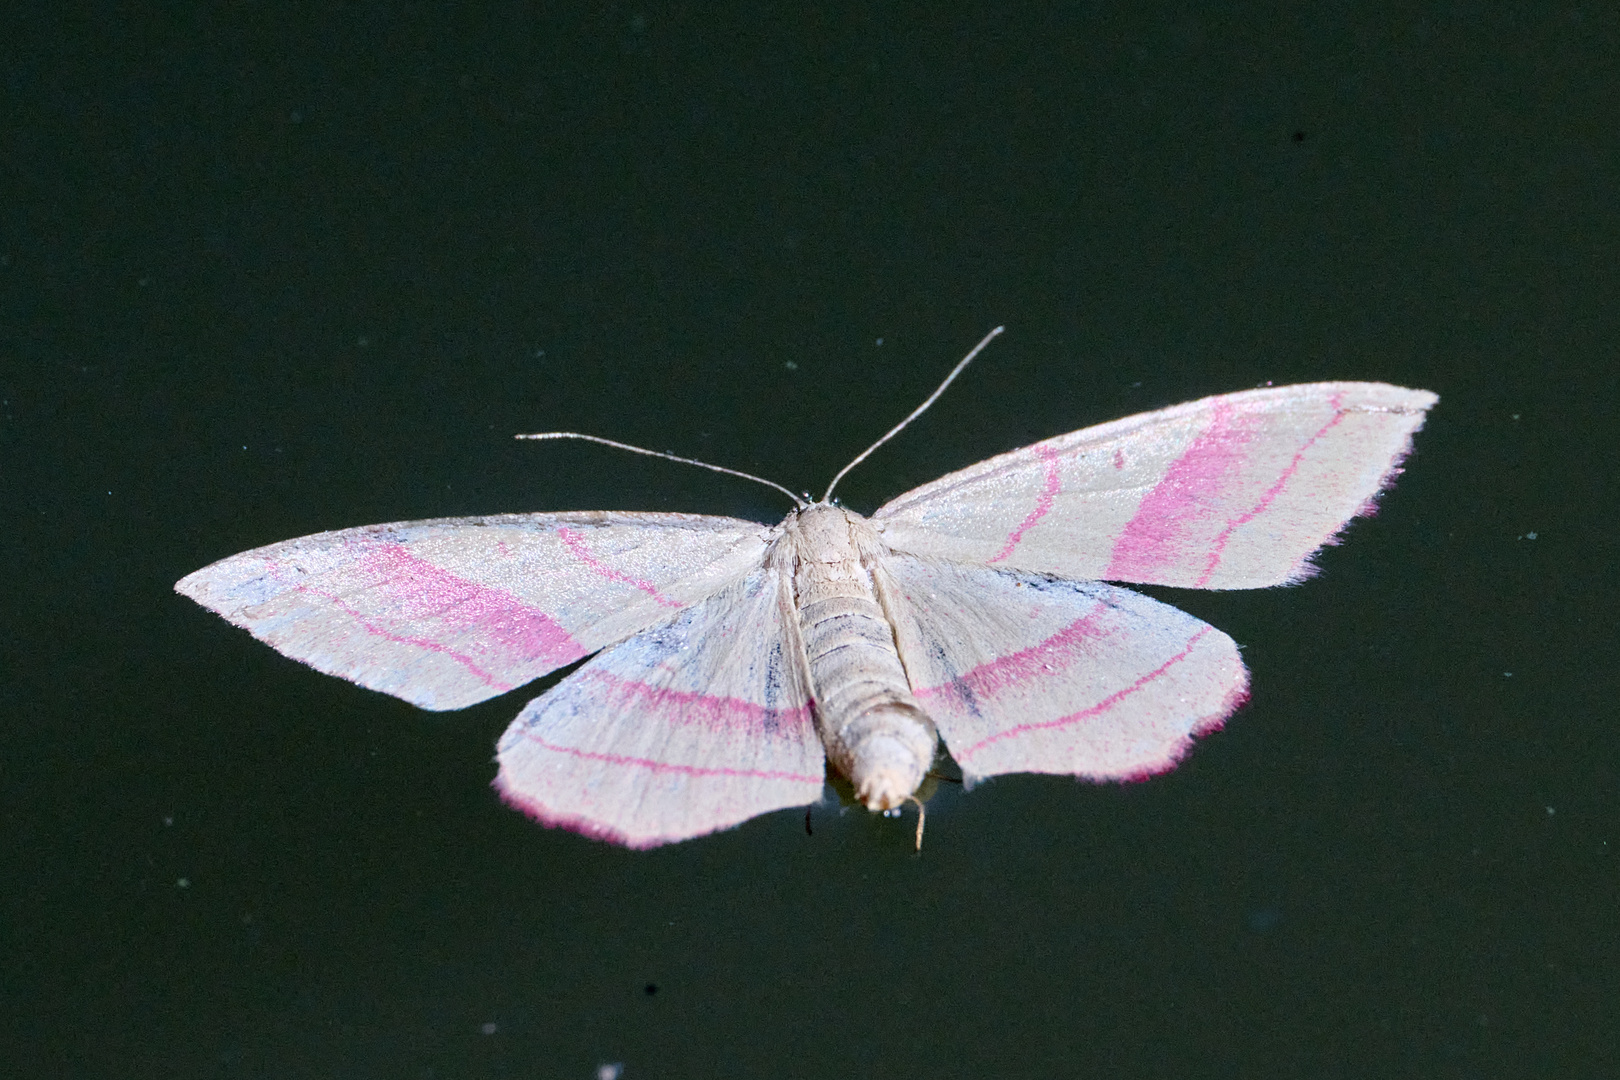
x=735, y=659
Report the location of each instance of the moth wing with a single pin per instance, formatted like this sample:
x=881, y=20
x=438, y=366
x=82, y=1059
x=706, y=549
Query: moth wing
x=692, y=726
x=1024, y=673
x=1229, y=492
x=448, y=612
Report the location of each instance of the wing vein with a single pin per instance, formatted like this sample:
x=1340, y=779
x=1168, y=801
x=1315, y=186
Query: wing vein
x=1043, y=503
x=1218, y=546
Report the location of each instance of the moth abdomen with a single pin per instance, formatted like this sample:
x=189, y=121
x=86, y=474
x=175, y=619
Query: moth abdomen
x=873, y=729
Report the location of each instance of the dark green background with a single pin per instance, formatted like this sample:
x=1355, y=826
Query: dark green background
x=268, y=269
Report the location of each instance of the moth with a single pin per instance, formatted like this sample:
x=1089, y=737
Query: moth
x=735, y=660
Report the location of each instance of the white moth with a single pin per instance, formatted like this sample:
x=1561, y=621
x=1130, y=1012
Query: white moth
x=734, y=659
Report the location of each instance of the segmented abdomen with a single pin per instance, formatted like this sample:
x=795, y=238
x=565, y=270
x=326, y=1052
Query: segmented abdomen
x=853, y=663
x=874, y=731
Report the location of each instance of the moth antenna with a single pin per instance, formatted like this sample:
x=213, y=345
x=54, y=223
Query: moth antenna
x=918, y=411
x=800, y=503
x=922, y=815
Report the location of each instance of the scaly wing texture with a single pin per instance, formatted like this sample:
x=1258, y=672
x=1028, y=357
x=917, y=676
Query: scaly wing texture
x=1024, y=673
x=1230, y=492
x=449, y=612
x=695, y=725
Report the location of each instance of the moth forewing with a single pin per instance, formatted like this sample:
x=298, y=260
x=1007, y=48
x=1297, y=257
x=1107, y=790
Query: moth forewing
x=1235, y=491
x=448, y=612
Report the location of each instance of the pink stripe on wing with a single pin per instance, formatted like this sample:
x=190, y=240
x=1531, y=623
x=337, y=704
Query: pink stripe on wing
x=994, y=677
x=375, y=630
x=576, y=544
x=1157, y=535
x=1084, y=714
x=507, y=628
x=488, y=631
x=1219, y=547
x=1043, y=504
x=712, y=711
x=665, y=766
